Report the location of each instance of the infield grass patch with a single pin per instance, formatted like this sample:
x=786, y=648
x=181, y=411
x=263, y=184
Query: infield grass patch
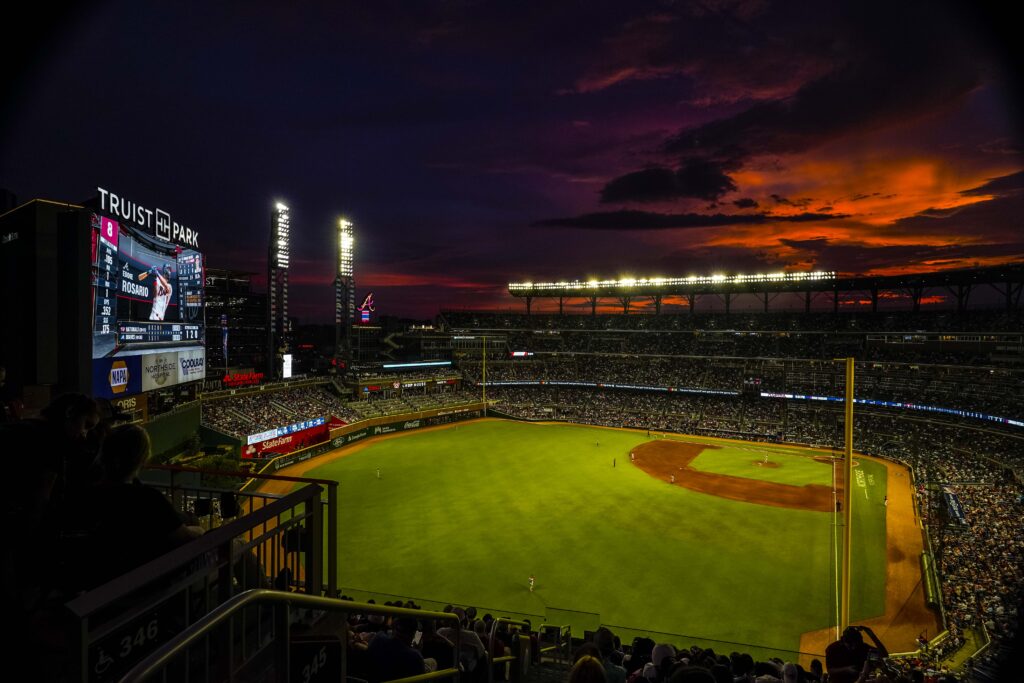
x=796, y=469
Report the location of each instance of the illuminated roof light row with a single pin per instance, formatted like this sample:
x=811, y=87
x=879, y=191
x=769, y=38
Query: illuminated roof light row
x=717, y=278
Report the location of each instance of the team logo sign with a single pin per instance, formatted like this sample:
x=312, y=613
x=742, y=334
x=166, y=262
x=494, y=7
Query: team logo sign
x=163, y=225
x=118, y=377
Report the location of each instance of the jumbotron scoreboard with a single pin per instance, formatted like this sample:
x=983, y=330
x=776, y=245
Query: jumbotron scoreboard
x=149, y=330
x=147, y=294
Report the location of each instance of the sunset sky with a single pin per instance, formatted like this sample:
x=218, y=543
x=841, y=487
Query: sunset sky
x=477, y=143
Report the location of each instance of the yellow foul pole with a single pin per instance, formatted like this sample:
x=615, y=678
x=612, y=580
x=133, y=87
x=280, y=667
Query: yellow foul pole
x=483, y=380
x=844, y=612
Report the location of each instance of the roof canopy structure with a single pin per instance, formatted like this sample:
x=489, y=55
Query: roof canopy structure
x=1007, y=279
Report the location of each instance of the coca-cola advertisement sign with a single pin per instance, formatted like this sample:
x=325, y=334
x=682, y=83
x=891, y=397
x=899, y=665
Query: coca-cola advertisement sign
x=287, y=443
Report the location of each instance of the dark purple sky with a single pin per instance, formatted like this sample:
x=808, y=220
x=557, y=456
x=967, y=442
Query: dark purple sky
x=477, y=143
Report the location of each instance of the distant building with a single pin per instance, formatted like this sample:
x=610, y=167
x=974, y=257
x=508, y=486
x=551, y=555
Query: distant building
x=44, y=279
x=235, y=322
x=367, y=344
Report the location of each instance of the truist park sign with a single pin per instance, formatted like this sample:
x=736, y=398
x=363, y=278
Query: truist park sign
x=155, y=220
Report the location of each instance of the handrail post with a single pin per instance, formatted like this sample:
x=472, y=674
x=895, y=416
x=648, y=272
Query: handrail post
x=516, y=662
x=332, y=542
x=314, y=562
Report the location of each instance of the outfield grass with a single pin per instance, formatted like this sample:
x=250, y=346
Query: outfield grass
x=465, y=515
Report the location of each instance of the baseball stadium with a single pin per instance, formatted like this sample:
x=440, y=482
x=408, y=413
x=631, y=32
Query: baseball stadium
x=759, y=492
x=462, y=341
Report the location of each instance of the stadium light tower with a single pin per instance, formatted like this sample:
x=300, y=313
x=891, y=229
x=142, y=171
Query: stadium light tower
x=278, y=325
x=344, y=291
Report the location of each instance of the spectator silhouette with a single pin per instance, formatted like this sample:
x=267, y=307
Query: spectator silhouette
x=36, y=456
x=587, y=669
x=126, y=522
x=392, y=655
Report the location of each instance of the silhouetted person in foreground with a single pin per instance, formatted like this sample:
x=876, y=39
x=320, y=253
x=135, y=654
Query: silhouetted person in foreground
x=392, y=655
x=846, y=657
x=35, y=456
x=36, y=453
x=127, y=523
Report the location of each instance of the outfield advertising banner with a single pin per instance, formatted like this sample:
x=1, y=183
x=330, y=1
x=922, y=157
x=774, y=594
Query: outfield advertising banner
x=116, y=377
x=159, y=370
x=287, y=443
x=345, y=439
x=191, y=365
x=341, y=440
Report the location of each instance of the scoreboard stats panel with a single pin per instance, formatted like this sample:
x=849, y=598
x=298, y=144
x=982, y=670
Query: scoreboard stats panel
x=147, y=294
x=149, y=330
x=128, y=333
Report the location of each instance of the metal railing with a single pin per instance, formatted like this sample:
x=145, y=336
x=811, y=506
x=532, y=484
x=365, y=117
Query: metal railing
x=559, y=647
x=220, y=623
x=118, y=623
x=519, y=660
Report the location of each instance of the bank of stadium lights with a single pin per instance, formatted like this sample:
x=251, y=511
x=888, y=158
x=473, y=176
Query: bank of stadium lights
x=282, y=224
x=716, y=279
x=346, y=247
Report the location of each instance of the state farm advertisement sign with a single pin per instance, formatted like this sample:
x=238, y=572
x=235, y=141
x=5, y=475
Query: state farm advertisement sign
x=287, y=443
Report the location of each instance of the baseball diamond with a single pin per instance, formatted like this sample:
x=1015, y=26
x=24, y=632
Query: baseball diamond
x=465, y=516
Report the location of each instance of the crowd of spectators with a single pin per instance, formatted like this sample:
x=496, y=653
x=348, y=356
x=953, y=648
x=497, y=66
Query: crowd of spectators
x=380, y=374
x=252, y=413
x=802, y=344
x=976, y=321
x=990, y=338
x=990, y=391
x=383, y=648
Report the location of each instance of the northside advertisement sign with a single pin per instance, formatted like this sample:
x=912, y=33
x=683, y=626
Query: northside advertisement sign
x=162, y=370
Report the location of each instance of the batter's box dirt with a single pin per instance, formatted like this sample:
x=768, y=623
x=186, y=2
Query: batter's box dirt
x=666, y=459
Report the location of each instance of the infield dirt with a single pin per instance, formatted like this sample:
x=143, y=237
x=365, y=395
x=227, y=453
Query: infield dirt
x=665, y=458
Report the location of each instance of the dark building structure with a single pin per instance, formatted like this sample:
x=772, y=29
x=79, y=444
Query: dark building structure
x=44, y=280
x=367, y=344
x=236, y=323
